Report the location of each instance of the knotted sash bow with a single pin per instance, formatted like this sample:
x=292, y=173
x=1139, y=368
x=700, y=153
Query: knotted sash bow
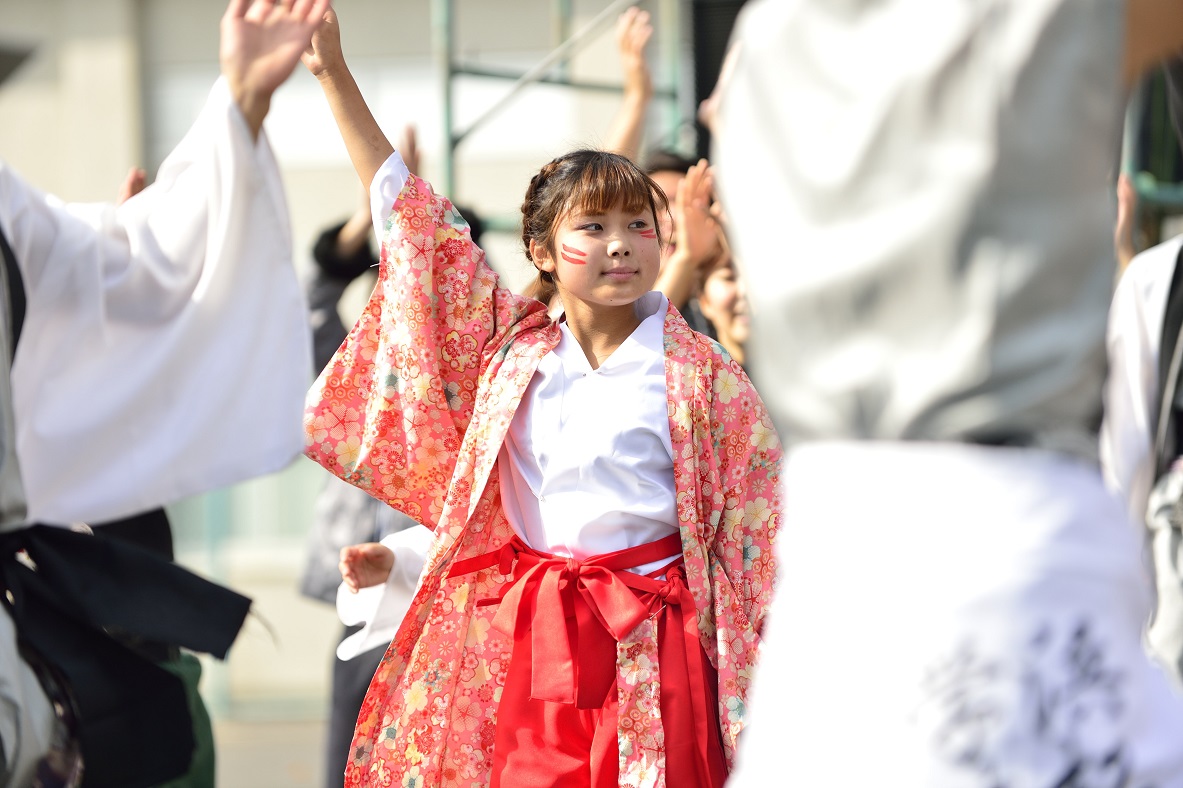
x=550, y=585
x=615, y=601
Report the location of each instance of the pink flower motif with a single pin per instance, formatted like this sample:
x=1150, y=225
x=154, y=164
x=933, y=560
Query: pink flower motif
x=467, y=713
x=460, y=351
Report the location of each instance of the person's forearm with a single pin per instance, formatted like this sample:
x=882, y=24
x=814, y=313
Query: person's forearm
x=355, y=234
x=367, y=146
x=677, y=279
x=253, y=105
x=629, y=126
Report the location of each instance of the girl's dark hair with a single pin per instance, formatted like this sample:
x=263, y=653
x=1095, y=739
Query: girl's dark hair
x=595, y=181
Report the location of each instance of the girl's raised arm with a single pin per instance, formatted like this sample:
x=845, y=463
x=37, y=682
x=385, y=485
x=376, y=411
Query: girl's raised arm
x=367, y=145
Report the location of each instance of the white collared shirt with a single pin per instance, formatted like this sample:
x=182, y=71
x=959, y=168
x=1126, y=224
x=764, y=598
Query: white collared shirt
x=587, y=466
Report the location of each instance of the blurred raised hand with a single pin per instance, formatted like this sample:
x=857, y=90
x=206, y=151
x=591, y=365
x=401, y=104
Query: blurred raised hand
x=633, y=31
x=261, y=42
x=1123, y=229
x=697, y=240
x=408, y=148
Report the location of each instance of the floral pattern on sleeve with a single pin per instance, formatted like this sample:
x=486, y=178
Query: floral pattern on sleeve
x=417, y=353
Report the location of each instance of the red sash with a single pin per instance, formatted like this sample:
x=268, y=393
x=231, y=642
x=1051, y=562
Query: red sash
x=574, y=613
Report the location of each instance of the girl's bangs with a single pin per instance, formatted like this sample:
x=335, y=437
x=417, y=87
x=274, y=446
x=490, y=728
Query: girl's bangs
x=610, y=182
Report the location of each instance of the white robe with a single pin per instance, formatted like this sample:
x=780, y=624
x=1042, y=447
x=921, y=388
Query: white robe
x=948, y=614
x=165, y=352
x=166, y=346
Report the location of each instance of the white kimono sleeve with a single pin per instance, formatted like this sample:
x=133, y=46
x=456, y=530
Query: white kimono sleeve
x=165, y=350
x=380, y=609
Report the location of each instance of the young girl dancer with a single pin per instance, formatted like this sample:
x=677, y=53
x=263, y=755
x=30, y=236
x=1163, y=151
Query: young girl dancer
x=601, y=489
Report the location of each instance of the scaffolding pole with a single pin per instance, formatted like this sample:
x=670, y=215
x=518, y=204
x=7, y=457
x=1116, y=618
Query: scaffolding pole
x=443, y=44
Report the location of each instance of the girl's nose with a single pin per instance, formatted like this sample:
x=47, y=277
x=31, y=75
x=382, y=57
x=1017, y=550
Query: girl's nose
x=617, y=247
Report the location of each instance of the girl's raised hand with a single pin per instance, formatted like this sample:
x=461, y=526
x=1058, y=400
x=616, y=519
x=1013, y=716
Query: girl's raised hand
x=261, y=41
x=324, y=51
x=365, y=565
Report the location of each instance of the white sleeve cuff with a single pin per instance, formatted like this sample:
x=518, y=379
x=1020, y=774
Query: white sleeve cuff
x=384, y=190
x=380, y=609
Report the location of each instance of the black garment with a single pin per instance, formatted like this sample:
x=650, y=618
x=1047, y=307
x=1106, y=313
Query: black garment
x=694, y=317
x=1167, y=437
x=150, y=530
x=333, y=273
x=16, y=290
x=134, y=724
x=153, y=532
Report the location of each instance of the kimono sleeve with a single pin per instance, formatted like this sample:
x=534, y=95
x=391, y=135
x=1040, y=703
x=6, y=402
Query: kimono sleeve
x=748, y=453
x=165, y=349
x=389, y=412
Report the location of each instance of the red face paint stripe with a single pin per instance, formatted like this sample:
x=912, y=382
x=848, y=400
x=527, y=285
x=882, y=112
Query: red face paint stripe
x=649, y=233
x=572, y=255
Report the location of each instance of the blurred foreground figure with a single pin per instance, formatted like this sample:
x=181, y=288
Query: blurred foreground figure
x=961, y=601
x=1142, y=435
x=148, y=351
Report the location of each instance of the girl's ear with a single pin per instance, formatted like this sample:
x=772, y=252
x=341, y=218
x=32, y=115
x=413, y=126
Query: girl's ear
x=541, y=257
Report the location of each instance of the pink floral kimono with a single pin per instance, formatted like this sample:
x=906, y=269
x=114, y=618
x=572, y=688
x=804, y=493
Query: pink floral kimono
x=414, y=409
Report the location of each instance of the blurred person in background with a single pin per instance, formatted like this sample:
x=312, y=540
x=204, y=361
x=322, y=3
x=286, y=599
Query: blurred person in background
x=723, y=302
x=148, y=351
x=961, y=599
x=1140, y=437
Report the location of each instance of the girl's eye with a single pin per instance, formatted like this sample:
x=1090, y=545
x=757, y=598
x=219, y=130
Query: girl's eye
x=639, y=224
x=590, y=226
